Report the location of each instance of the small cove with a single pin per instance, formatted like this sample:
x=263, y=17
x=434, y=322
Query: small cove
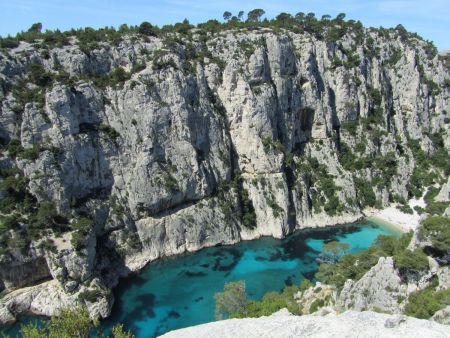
x=178, y=291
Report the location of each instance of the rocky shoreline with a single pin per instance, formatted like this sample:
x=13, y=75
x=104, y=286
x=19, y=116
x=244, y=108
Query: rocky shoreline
x=46, y=298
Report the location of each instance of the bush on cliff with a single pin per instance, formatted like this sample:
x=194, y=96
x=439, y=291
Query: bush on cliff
x=437, y=230
x=272, y=302
x=411, y=261
x=425, y=303
x=71, y=324
x=233, y=302
x=354, y=266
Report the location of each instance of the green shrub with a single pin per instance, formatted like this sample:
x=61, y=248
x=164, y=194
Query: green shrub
x=81, y=227
x=354, y=266
x=8, y=222
x=159, y=64
x=352, y=61
x=30, y=153
x=118, y=332
x=433, y=88
x=425, y=303
x=68, y=323
x=146, y=28
x=14, y=147
x=110, y=133
x=48, y=245
x=90, y=296
x=78, y=240
x=436, y=208
x=8, y=42
x=17, y=198
x=248, y=211
x=431, y=194
x=422, y=176
x=364, y=193
x=394, y=57
x=13, y=182
x=411, y=261
x=346, y=157
x=350, y=126
x=39, y=76
x=270, y=303
x=170, y=182
x=45, y=215
x=114, y=79
x=24, y=94
x=305, y=285
x=277, y=211
x=316, y=305
x=134, y=241
x=232, y=301
x=82, y=224
x=437, y=229
x=71, y=323
x=405, y=208
x=374, y=95
x=270, y=144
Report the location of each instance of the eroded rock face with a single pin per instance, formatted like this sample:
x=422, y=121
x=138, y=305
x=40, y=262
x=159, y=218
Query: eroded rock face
x=381, y=288
x=348, y=324
x=46, y=299
x=253, y=138
x=20, y=273
x=444, y=193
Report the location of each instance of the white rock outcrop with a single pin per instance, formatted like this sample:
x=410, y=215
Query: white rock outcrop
x=349, y=324
x=380, y=289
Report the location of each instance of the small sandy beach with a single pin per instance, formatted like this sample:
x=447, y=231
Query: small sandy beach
x=392, y=216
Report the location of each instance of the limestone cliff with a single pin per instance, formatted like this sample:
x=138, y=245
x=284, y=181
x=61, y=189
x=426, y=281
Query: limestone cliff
x=118, y=154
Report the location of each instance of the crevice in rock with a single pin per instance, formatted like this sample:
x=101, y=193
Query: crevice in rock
x=332, y=103
x=292, y=214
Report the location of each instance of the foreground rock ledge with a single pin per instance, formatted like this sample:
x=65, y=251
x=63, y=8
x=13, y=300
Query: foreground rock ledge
x=348, y=324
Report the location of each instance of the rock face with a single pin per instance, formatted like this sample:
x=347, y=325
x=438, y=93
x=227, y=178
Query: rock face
x=19, y=274
x=348, y=324
x=384, y=289
x=48, y=298
x=380, y=289
x=205, y=141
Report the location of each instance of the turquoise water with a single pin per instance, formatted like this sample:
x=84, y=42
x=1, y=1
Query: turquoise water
x=179, y=292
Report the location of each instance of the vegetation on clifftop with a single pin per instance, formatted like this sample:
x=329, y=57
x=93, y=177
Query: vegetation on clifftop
x=71, y=323
x=326, y=28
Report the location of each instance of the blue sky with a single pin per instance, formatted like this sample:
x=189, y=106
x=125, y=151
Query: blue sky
x=431, y=18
